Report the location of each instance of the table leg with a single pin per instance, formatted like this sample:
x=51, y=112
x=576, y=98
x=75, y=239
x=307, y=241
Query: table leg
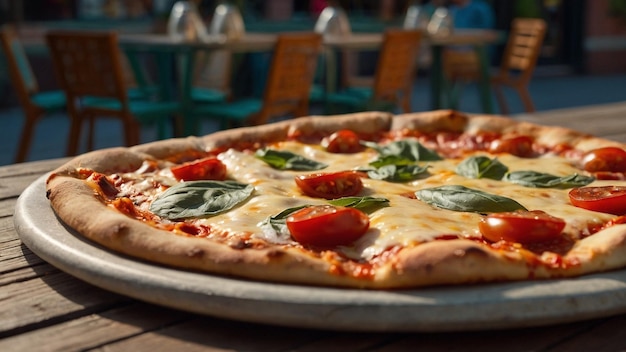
x=484, y=85
x=186, y=65
x=436, y=79
x=137, y=68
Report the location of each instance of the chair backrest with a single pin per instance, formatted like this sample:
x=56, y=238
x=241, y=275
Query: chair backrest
x=291, y=74
x=20, y=71
x=523, y=47
x=88, y=64
x=397, y=62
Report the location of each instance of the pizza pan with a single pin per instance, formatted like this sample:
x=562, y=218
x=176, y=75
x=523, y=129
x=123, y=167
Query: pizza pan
x=490, y=306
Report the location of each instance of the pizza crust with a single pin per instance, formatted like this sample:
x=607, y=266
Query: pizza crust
x=434, y=263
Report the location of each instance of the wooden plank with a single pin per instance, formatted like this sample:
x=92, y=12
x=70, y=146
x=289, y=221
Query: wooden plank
x=222, y=335
x=618, y=137
x=528, y=339
x=26, y=273
x=7, y=229
x=7, y=207
x=565, y=116
x=608, y=336
x=15, y=257
x=341, y=342
x=102, y=328
x=27, y=304
x=12, y=187
x=36, y=168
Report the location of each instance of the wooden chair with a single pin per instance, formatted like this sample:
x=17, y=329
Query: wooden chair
x=286, y=90
x=519, y=60
x=89, y=69
x=517, y=66
x=393, y=79
x=35, y=103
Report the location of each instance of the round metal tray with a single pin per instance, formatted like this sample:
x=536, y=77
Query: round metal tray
x=489, y=306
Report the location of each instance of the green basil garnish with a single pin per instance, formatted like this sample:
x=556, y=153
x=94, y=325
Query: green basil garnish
x=364, y=204
x=200, y=199
x=481, y=167
x=461, y=198
x=285, y=160
x=403, y=151
x=397, y=173
x=542, y=180
x=277, y=224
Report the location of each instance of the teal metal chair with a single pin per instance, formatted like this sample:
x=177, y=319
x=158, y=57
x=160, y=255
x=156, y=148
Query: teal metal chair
x=89, y=70
x=35, y=103
x=393, y=79
x=286, y=90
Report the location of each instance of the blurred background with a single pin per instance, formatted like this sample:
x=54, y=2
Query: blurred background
x=582, y=60
x=584, y=36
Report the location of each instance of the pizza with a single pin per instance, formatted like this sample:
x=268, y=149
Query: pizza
x=367, y=200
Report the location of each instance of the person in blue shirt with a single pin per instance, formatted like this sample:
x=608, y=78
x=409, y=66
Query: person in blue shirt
x=472, y=14
x=461, y=63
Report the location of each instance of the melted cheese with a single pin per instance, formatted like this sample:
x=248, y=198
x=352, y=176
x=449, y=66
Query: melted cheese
x=405, y=221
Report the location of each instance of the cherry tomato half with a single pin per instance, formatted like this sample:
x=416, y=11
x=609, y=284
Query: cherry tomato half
x=606, y=199
x=521, y=226
x=327, y=225
x=343, y=141
x=521, y=146
x=330, y=185
x=204, y=169
x=605, y=159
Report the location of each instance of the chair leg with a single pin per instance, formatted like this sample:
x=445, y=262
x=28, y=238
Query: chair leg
x=302, y=109
x=526, y=99
x=31, y=118
x=76, y=124
x=504, y=108
x=405, y=103
x=131, y=132
x=453, y=90
x=91, y=132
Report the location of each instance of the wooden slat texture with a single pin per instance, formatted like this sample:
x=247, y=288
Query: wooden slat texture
x=50, y=296
x=221, y=335
x=102, y=329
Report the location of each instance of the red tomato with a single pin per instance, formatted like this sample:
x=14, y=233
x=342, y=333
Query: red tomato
x=605, y=159
x=327, y=225
x=204, y=169
x=343, y=141
x=330, y=185
x=521, y=146
x=607, y=199
x=521, y=226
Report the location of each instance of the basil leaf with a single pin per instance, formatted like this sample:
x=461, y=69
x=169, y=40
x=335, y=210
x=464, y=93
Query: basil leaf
x=460, y=198
x=543, y=180
x=285, y=160
x=277, y=224
x=391, y=160
x=364, y=204
x=397, y=173
x=481, y=167
x=406, y=149
x=200, y=199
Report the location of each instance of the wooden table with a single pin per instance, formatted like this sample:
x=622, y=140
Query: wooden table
x=43, y=308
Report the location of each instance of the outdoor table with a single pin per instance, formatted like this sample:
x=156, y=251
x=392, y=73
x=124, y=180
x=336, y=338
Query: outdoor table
x=175, y=60
x=44, y=308
x=169, y=50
